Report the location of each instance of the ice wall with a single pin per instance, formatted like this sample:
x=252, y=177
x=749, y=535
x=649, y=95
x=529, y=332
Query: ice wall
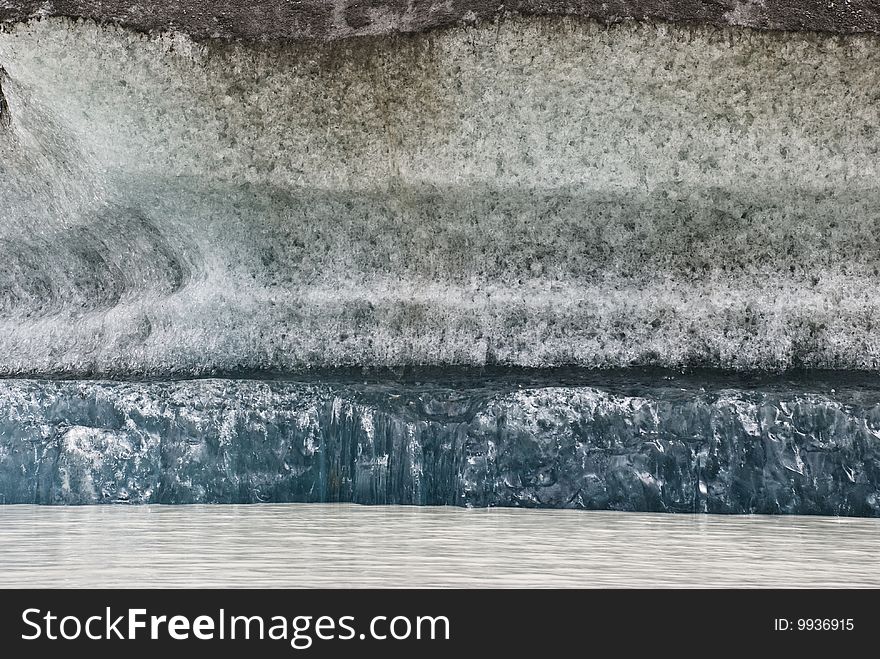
x=528, y=192
x=271, y=20
x=621, y=443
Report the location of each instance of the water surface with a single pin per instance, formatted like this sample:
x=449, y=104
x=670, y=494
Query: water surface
x=318, y=545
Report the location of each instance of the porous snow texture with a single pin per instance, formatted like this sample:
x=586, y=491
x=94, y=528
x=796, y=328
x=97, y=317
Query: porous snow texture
x=534, y=193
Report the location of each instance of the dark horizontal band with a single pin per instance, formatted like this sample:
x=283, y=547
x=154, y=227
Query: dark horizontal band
x=323, y=20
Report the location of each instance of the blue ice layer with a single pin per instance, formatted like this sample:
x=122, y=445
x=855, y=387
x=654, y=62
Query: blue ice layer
x=610, y=442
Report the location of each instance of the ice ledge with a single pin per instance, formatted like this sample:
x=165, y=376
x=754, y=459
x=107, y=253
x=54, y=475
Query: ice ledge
x=612, y=443
x=326, y=20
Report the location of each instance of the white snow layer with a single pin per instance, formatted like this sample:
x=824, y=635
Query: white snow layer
x=532, y=192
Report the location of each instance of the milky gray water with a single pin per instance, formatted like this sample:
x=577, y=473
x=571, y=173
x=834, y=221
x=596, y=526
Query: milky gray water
x=318, y=545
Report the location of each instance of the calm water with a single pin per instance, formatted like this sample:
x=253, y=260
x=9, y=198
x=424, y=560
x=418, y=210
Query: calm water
x=312, y=545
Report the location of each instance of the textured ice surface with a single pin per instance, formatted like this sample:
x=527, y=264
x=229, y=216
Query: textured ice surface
x=534, y=192
x=651, y=445
x=338, y=19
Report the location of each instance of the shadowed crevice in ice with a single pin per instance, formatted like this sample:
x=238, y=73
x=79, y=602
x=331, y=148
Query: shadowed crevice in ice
x=5, y=118
x=625, y=445
x=112, y=259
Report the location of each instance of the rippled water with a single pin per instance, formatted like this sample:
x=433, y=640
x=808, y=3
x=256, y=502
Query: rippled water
x=317, y=545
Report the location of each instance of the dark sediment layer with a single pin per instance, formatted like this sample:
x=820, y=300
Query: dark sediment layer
x=653, y=444
x=325, y=20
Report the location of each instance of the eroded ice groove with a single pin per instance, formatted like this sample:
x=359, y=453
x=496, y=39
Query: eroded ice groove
x=650, y=444
x=534, y=192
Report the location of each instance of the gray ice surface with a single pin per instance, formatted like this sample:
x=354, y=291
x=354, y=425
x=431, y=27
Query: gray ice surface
x=529, y=193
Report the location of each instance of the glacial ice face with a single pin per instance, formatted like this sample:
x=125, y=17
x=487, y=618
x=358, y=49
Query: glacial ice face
x=533, y=193
x=327, y=20
x=656, y=444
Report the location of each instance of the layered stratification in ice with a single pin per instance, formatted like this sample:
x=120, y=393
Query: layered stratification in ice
x=625, y=442
x=534, y=192
x=324, y=20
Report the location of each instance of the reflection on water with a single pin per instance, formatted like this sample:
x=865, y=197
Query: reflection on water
x=316, y=545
